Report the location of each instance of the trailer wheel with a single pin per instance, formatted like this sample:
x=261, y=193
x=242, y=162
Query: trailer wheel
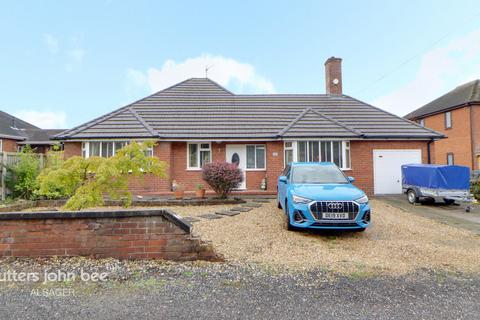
x=448, y=201
x=412, y=196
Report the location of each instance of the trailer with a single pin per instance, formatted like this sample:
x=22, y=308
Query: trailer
x=447, y=183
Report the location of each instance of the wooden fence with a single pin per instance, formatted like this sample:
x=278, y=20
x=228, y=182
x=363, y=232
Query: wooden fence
x=9, y=159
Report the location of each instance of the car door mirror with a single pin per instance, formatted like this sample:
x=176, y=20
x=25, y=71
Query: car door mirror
x=282, y=179
x=351, y=179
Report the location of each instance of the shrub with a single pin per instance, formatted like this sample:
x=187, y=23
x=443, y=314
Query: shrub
x=85, y=181
x=475, y=189
x=21, y=177
x=223, y=177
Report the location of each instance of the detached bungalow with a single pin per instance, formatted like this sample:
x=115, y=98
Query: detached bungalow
x=197, y=121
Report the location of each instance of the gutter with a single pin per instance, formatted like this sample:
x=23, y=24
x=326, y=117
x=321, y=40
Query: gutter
x=429, y=157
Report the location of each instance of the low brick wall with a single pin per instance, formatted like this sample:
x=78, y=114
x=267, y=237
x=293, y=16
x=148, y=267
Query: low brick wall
x=122, y=234
x=23, y=205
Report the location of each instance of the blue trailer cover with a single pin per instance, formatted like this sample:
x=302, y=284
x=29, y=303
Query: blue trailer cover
x=436, y=176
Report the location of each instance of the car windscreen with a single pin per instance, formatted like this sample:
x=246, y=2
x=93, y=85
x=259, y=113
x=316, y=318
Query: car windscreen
x=318, y=174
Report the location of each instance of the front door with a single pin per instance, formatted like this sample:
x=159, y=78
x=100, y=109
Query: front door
x=237, y=153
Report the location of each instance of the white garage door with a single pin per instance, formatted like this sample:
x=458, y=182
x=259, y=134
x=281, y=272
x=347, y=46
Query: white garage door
x=387, y=170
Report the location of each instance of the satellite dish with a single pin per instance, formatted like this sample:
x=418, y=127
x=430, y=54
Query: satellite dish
x=335, y=81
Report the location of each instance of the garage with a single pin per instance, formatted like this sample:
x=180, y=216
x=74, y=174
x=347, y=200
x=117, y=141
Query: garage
x=387, y=168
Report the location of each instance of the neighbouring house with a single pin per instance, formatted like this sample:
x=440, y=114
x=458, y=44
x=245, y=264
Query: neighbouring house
x=16, y=133
x=197, y=121
x=456, y=115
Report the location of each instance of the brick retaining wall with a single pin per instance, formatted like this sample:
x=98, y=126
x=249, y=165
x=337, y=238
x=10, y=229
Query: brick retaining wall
x=122, y=234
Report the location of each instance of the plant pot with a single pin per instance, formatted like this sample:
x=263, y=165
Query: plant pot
x=200, y=193
x=179, y=194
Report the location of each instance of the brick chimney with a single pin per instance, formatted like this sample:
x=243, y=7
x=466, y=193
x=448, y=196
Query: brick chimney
x=333, y=75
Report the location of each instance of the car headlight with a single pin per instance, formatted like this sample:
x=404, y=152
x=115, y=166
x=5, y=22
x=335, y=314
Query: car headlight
x=298, y=199
x=363, y=199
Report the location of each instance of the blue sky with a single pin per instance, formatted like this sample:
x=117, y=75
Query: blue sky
x=63, y=62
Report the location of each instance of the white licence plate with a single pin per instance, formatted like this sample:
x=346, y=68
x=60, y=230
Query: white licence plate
x=335, y=215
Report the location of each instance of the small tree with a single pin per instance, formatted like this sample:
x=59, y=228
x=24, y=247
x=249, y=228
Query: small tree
x=85, y=181
x=223, y=177
x=21, y=177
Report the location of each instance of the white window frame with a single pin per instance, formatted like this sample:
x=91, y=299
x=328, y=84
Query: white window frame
x=422, y=122
x=1, y=145
x=255, y=151
x=450, y=155
x=86, y=147
x=448, y=120
x=199, y=149
x=292, y=148
x=345, y=145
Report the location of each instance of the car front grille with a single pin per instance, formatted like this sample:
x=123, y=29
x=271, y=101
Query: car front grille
x=334, y=224
x=319, y=207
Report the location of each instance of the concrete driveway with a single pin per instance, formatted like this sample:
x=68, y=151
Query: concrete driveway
x=453, y=215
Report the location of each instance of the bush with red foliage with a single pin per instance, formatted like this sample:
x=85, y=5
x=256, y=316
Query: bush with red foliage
x=223, y=177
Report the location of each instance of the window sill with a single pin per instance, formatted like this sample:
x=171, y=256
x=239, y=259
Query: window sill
x=194, y=169
x=256, y=169
x=346, y=169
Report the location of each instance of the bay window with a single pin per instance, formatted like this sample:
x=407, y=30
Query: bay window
x=337, y=152
x=106, y=149
x=198, y=155
x=256, y=156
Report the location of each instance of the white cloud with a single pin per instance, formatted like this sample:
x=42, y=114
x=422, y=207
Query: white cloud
x=43, y=119
x=441, y=70
x=77, y=55
x=51, y=42
x=75, y=58
x=240, y=77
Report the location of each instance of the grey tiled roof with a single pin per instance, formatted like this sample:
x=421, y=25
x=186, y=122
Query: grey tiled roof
x=12, y=127
x=26, y=133
x=40, y=136
x=199, y=108
x=465, y=93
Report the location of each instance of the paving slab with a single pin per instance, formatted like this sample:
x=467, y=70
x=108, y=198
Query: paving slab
x=251, y=205
x=191, y=219
x=262, y=200
x=241, y=209
x=228, y=213
x=210, y=216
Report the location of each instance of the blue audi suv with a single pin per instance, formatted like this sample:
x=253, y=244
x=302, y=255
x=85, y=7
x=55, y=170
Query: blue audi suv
x=319, y=196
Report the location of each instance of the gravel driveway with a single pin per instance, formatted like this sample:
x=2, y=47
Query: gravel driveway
x=398, y=242
x=403, y=267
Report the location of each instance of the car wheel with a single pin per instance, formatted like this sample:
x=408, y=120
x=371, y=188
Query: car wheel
x=279, y=205
x=412, y=196
x=449, y=201
x=289, y=225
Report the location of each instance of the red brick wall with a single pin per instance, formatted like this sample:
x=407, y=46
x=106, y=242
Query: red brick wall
x=9, y=145
x=123, y=238
x=362, y=159
x=150, y=183
x=458, y=139
x=71, y=149
x=189, y=178
x=175, y=153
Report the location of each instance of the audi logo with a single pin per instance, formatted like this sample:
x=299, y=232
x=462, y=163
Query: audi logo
x=335, y=205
